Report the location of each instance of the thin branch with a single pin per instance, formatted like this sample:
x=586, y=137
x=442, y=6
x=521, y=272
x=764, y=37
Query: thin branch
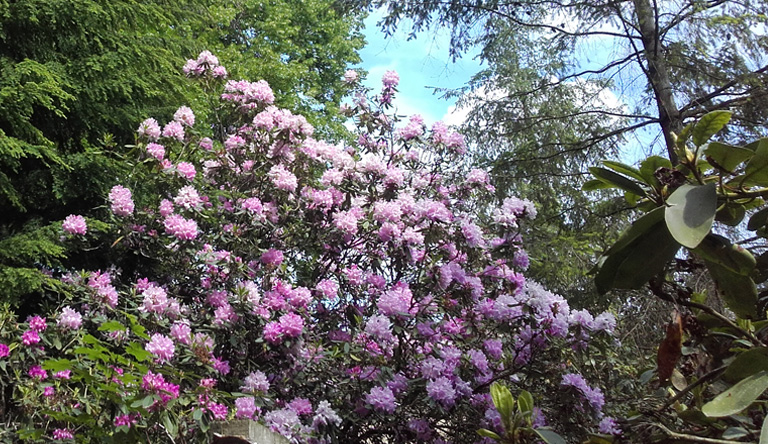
x=706, y=378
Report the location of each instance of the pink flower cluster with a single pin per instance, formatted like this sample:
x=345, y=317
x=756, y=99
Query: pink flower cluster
x=74, y=224
x=180, y=228
x=121, y=201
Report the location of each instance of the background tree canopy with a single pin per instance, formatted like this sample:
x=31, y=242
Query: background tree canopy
x=542, y=112
x=76, y=76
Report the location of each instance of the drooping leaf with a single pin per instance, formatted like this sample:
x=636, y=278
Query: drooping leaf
x=738, y=291
x=731, y=214
x=764, y=432
x=719, y=250
x=756, y=171
x=738, y=397
x=630, y=264
x=758, y=219
x=637, y=229
x=708, y=125
x=747, y=364
x=690, y=213
x=727, y=156
x=734, y=433
x=616, y=180
x=549, y=436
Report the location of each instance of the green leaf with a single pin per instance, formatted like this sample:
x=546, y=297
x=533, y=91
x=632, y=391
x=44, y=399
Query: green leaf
x=738, y=397
x=690, y=213
x=625, y=169
x=503, y=400
x=728, y=157
x=731, y=214
x=734, y=433
x=719, y=250
x=595, y=184
x=57, y=365
x=637, y=229
x=525, y=402
x=488, y=434
x=549, y=436
x=617, y=180
x=138, y=352
x=757, y=220
x=747, y=364
x=708, y=125
x=756, y=171
x=137, y=328
x=650, y=165
x=110, y=326
x=168, y=423
x=764, y=432
x=738, y=291
x=637, y=256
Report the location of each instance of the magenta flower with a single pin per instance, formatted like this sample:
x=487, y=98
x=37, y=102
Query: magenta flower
x=63, y=434
x=30, y=337
x=37, y=372
x=272, y=257
x=74, y=224
x=63, y=374
x=37, y=323
x=291, y=324
x=4, y=350
x=161, y=346
x=219, y=411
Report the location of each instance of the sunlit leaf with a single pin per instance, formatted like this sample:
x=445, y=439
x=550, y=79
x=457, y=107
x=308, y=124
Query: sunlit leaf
x=708, y=125
x=690, y=213
x=738, y=397
x=727, y=156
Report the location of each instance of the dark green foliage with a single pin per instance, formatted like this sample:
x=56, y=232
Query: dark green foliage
x=77, y=77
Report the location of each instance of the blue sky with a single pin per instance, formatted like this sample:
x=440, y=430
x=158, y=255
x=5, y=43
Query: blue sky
x=422, y=63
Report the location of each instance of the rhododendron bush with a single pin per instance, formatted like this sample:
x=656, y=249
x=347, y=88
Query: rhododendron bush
x=364, y=293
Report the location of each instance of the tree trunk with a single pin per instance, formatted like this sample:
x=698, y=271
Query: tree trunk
x=658, y=75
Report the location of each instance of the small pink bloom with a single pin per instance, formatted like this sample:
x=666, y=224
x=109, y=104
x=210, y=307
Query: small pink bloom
x=74, y=224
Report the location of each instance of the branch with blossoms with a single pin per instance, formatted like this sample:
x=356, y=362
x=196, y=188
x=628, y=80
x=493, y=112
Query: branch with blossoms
x=335, y=293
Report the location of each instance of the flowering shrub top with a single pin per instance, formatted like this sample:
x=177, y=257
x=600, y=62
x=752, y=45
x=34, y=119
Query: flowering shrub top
x=336, y=293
